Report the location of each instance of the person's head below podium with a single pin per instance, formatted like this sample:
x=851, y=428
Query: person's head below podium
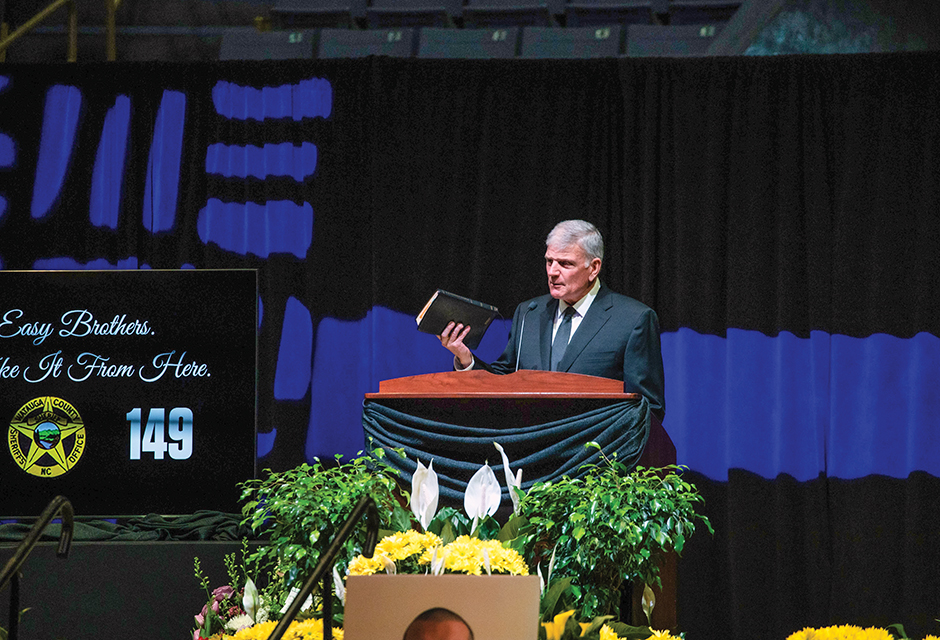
x=574, y=251
x=438, y=624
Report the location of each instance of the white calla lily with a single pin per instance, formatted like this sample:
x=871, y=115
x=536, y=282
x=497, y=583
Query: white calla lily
x=511, y=481
x=251, y=601
x=483, y=494
x=424, y=493
x=390, y=568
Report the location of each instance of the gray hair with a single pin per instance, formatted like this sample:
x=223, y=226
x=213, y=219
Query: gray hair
x=578, y=232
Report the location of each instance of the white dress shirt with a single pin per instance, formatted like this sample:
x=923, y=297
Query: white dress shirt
x=580, y=309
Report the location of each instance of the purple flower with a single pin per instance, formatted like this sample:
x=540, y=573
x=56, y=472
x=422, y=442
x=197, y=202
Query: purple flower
x=201, y=616
x=223, y=593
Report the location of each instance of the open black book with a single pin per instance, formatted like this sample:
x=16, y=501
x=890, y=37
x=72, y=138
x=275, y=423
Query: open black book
x=445, y=307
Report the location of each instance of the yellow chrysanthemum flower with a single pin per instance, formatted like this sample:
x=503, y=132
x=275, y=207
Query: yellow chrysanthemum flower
x=463, y=555
x=310, y=630
x=842, y=632
x=305, y=630
x=405, y=544
x=469, y=555
x=607, y=633
x=396, y=547
x=363, y=566
x=256, y=632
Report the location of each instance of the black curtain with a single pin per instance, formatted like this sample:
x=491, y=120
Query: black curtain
x=780, y=214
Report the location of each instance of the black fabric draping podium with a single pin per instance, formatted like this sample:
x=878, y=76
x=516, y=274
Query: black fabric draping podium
x=542, y=420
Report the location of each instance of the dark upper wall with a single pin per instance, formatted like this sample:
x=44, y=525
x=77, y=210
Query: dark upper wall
x=849, y=26
x=191, y=30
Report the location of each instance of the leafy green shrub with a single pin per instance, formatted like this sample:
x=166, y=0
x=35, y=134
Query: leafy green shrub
x=301, y=511
x=611, y=525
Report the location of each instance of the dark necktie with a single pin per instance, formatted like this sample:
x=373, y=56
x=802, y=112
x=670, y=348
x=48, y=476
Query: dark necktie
x=560, y=343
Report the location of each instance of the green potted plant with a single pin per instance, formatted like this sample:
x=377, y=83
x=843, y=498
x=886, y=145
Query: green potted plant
x=609, y=526
x=302, y=510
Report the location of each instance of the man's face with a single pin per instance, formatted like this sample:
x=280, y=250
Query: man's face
x=568, y=278
x=437, y=630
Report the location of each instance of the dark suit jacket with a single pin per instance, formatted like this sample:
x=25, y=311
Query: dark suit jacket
x=617, y=338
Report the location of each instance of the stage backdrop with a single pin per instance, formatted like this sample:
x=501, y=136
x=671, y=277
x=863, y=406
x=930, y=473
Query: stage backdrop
x=781, y=215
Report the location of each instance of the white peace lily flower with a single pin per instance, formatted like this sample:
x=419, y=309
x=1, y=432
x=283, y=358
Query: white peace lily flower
x=424, y=493
x=483, y=494
x=437, y=561
x=251, y=601
x=551, y=563
x=543, y=582
x=511, y=481
x=293, y=593
x=339, y=586
x=486, y=562
x=390, y=568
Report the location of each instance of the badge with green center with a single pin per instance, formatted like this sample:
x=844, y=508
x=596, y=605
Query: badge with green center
x=46, y=437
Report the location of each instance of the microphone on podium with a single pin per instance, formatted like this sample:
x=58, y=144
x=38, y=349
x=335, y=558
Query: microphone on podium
x=532, y=305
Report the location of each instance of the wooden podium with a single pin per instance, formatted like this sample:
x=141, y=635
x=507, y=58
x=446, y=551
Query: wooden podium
x=481, y=399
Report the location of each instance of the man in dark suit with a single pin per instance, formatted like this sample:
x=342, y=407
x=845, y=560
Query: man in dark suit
x=580, y=326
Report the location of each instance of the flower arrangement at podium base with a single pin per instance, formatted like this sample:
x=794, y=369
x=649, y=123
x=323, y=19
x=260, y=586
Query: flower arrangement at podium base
x=552, y=572
x=480, y=584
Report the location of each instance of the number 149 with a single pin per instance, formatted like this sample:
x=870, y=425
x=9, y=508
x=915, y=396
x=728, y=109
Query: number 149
x=158, y=430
